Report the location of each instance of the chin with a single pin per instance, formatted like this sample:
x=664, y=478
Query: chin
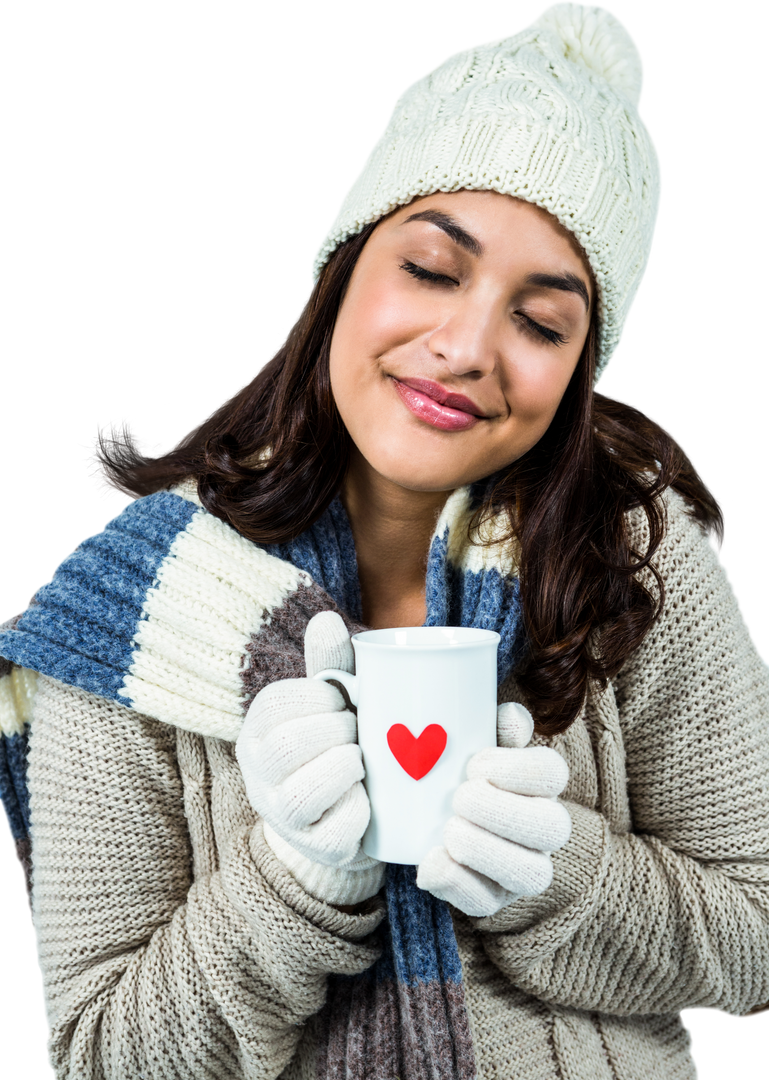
x=417, y=474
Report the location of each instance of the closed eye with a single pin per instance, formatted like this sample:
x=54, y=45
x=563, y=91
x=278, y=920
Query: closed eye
x=428, y=275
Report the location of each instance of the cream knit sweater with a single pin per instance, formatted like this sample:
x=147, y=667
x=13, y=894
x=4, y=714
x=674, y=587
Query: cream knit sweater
x=174, y=944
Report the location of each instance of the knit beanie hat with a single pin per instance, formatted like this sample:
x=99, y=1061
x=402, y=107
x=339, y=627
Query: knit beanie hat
x=549, y=116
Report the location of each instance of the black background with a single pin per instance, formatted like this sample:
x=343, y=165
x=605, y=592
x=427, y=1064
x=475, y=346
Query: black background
x=197, y=205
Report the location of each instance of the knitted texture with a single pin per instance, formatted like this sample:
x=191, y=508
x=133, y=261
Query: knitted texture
x=357, y=880
x=175, y=943
x=217, y=611
x=549, y=116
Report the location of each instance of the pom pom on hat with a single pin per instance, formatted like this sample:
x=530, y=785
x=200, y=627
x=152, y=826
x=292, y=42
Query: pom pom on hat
x=597, y=38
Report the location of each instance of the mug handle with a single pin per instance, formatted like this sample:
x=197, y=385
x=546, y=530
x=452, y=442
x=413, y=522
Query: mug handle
x=348, y=681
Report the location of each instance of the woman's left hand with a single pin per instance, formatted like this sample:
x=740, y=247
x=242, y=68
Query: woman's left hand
x=507, y=821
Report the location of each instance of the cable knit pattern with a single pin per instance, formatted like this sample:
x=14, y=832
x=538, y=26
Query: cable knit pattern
x=175, y=944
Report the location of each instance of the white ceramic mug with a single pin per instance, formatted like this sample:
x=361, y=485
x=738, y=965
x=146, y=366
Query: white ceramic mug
x=427, y=701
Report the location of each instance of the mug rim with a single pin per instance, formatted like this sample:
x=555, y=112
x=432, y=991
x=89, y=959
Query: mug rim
x=478, y=636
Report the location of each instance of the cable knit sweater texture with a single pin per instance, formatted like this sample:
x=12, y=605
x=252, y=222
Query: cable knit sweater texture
x=173, y=943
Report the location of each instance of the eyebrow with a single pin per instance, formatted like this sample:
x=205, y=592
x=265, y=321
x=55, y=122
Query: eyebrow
x=566, y=282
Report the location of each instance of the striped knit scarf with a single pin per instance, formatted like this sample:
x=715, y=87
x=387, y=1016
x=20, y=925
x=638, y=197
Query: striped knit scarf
x=174, y=614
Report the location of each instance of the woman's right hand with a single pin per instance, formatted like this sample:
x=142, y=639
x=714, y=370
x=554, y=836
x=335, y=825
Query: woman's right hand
x=299, y=756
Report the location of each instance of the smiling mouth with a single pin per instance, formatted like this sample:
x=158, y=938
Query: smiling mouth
x=443, y=396
x=435, y=405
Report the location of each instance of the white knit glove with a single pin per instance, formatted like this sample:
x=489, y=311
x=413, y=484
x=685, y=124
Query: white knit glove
x=302, y=768
x=507, y=821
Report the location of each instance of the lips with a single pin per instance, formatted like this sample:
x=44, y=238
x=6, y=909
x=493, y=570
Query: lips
x=438, y=393
x=432, y=412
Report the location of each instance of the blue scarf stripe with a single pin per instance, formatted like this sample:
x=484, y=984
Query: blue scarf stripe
x=13, y=782
x=424, y=948
x=484, y=599
x=326, y=551
x=80, y=627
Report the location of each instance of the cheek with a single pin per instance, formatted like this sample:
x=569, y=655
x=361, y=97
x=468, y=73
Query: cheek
x=375, y=317
x=362, y=334
x=535, y=389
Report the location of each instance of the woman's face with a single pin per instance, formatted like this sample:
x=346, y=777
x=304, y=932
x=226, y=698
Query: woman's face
x=462, y=324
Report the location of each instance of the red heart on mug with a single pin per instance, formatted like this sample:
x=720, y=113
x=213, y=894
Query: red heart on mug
x=416, y=756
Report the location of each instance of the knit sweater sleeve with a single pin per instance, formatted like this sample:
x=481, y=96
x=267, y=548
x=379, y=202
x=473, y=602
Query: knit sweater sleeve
x=172, y=942
x=669, y=908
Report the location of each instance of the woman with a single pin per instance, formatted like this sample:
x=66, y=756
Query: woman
x=201, y=901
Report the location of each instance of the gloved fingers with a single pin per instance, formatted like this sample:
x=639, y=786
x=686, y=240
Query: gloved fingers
x=534, y=770
x=520, y=870
x=312, y=789
x=334, y=839
x=296, y=742
x=515, y=725
x=471, y=892
x=540, y=824
x=287, y=699
x=327, y=644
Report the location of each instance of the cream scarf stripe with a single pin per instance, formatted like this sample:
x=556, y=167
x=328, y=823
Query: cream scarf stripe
x=17, y=689
x=213, y=592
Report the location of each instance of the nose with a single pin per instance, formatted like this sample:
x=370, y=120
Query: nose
x=467, y=340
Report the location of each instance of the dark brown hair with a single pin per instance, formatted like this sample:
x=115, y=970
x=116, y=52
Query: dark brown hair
x=585, y=607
